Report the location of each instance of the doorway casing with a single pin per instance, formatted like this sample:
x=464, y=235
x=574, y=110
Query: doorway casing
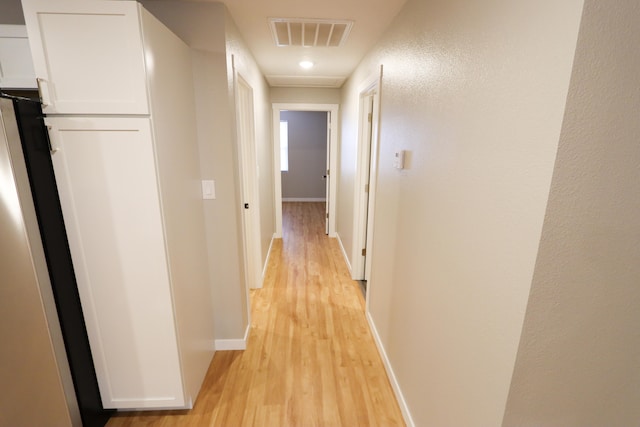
x=332, y=149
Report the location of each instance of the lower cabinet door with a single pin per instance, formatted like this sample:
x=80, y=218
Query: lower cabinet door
x=106, y=176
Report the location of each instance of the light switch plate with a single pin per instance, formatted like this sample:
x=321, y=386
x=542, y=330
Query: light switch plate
x=398, y=159
x=208, y=189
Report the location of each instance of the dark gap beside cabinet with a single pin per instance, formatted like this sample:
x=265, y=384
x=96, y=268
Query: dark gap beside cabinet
x=35, y=146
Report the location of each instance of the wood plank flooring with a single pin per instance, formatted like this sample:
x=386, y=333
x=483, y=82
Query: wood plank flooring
x=310, y=358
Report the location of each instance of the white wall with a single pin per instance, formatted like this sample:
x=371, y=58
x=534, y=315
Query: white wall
x=347, y=160
x=217, y=162
x=11, y=12
x=201, y=26
x=209, y=31
x=475, y=92
x=578, y=362
x=307, y=155
x=288, y=95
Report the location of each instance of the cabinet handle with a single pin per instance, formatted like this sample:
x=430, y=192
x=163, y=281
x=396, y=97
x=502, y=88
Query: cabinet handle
x=54, y=147
x=43, y=89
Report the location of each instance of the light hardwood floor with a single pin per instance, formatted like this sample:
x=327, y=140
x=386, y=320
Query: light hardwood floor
x=310, y=358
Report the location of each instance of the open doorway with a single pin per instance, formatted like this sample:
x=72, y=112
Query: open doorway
x=303, y=155
x=317, y=182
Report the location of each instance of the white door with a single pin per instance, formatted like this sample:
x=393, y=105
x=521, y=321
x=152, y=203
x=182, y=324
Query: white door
x=92, y=51
x=105, y=170
x=367, y=120
x=249, y=174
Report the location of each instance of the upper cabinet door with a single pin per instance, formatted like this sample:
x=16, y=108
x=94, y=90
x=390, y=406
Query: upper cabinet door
x=88, y=56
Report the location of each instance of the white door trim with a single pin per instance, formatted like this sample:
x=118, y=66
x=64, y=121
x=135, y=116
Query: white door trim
x=366, y=173
x=332, y=166
x=373, y=175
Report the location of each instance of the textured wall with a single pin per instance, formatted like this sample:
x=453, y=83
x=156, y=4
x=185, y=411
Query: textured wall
x=475, y=92
x=307, y=155
x=579, y=357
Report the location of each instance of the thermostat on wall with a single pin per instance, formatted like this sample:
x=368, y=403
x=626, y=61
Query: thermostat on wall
x=398, y=160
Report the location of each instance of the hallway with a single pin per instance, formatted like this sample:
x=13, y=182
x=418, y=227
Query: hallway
x=310, y=359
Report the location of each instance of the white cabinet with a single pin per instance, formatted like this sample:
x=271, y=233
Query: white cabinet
x=109, y=193
x=88, y=56
x=121, y=119
x=16, y=65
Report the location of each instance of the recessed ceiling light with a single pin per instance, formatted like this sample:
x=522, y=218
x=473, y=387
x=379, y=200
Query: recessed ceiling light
x=306, y=64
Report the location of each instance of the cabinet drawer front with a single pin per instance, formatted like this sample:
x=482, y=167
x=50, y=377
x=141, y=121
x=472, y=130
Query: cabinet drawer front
x=88, y=56
x=106, y=177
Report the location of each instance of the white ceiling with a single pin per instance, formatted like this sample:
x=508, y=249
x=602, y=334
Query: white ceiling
x=280, y=64
x=332, y=64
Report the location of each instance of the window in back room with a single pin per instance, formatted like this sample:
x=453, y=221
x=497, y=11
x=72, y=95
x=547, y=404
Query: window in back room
x=284, y=145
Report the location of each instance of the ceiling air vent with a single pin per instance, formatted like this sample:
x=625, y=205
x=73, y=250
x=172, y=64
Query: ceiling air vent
x=309, y=32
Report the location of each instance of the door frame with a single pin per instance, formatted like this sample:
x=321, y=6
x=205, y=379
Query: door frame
x=248, y=171
x=364, y=207
x=333, y=110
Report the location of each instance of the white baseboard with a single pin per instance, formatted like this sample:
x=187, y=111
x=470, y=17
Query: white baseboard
x=235, y=344
x=304, y=199
x=392, y=377
x=222, y=345
x=344, y=253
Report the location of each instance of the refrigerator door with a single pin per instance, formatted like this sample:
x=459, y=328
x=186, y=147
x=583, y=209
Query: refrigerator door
x=36, y=382
x=37, y=156
x=106, y=174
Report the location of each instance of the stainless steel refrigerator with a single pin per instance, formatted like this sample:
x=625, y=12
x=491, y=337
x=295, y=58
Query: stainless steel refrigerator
x=47, y=376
